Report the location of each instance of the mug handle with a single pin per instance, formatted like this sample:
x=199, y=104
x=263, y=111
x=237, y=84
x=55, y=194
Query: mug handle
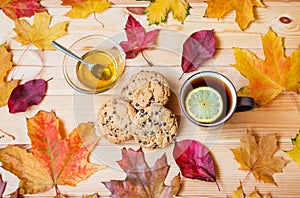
x=244, y=103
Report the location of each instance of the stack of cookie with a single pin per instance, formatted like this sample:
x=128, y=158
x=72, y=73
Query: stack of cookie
x=140, y=113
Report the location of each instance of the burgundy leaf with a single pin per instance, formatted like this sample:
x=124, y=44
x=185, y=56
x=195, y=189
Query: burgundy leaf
x=197, y=49
x=2, y=186
x=194, y=160
x=26, y=95
x=138, y=38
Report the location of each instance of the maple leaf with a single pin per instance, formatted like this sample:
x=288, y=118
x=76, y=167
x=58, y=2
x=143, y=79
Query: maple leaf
x=138, y=39
x=83, y=8
x=239, y=193
x=295, y=152
x=257, y=157
x=53, y=160
x=158, y=10
x=6, y=87
x=39, y=34
x=141, y=180
x=256, y=194
x=21, y=8
x=244, y=10
x=269, y=77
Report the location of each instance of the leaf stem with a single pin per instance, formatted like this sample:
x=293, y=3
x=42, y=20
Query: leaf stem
x=149, y=63
x=101, y=23
x=181, y=76
x=8, y=134
x=56, y=189
x=218, y=186
x=42, y=57
x=20, y=58
x=246, y=177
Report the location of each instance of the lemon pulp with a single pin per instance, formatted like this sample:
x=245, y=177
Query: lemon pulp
x=204, y=104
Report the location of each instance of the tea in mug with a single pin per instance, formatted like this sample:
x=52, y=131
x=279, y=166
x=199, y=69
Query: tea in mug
x=207, y=99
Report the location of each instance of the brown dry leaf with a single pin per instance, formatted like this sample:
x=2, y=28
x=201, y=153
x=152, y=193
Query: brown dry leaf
x=6, y=87
x=141, y=180
x=39, y=34
x=244, y=10
x=257, y=157
x=269, y=77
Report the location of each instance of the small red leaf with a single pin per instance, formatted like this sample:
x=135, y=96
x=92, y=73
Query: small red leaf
x=194, y=160
x=197, y=49
x=26, y=95
x=138, y=38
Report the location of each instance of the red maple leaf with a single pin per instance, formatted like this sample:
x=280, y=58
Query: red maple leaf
x=138, y=39
x=15, y=9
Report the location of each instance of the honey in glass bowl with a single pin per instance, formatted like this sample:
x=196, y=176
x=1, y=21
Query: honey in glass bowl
x=105, y=77
x=95, y=49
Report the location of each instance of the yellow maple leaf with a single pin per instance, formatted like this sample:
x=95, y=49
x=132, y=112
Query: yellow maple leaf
x=158, y=10
x=244, y=10
x=83, y=8
x=6, y=87
x=239, y=193
x=269, y=77
x=295, y=153
x=257, y=157
x=39, y=34
x=256, y=194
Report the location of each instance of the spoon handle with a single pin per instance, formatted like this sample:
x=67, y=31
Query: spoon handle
x=68, y=52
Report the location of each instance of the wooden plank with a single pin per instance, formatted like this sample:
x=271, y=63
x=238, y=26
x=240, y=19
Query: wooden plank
x=135, y=3
x=280, y=116
x=228, y=176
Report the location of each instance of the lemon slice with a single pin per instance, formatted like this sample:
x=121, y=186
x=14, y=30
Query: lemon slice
x=204, y=104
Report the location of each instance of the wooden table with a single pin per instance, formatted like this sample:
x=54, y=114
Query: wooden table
x=280, y=116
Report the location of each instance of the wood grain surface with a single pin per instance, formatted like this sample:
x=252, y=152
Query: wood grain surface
x=282, y=116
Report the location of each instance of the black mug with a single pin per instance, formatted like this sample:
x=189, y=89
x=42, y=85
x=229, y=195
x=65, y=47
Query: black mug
x=231, y=102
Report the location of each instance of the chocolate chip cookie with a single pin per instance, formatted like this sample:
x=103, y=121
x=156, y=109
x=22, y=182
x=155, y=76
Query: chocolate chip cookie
x=115, y=120
x=145, y=88
x=156, y=126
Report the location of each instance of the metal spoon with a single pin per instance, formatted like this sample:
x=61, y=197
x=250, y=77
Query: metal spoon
x=95, y=69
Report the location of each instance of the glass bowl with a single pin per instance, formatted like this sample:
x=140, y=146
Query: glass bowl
x=94, y=49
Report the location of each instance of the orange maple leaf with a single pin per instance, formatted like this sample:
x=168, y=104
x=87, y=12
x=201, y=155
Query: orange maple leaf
x=244, y=10
x=83, y=8
x=6, y=87
x=53, y=161
x=257, y=157
x=39, y=34
x=269, y=77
